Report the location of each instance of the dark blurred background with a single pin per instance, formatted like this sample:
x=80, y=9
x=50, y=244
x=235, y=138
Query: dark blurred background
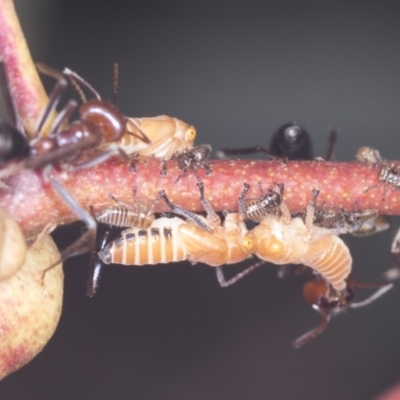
x=236, y=70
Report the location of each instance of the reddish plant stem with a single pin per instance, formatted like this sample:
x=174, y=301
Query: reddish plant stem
x=25, y=85
x=33, y=203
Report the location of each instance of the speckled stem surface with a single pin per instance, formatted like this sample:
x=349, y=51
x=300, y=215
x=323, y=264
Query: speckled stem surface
x=33, y=202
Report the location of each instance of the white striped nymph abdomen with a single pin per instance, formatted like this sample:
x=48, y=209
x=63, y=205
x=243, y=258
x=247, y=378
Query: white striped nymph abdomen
x=173, y=239
x=292, y=243
x=121, y=217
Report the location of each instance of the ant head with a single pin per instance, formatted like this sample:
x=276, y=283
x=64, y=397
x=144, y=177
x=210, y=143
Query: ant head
x=319, y=293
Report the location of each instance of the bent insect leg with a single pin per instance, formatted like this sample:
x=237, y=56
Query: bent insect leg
x=223, y=282
x=195, y=219
x=82, y=244
x=95, y=264
x=303, y=339
x=246, y=150
x=394, y=273
x=379, y=293
x=332, y=138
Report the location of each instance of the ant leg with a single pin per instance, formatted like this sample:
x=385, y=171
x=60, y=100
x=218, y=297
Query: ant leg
x=76, y=80
x=63, y=116
x=185, y=214
x=71, y=202
x=223, y=282
x=98, y=159
x=54, y=97
x=248, y=150
x=80, y=246
x=95, y=264
x=364, y=285
x=8, y=98
x=115, y=83
x=332, y=138
x=221, y=155
x=303, y=339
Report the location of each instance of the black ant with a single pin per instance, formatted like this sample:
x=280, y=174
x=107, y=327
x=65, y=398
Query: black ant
x=290, y=141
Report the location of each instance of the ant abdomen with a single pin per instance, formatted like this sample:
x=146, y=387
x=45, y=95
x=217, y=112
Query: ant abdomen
x=292, y=141
x=13, y=143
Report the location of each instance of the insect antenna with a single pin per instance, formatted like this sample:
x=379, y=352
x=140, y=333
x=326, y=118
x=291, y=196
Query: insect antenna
x=77, y=80
x=63, y=116
x=380, y=292
x=115, y=83
x=54, y=98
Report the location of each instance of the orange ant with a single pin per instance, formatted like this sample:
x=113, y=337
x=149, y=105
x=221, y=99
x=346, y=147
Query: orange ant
x=290, y=141
x=328, y=302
